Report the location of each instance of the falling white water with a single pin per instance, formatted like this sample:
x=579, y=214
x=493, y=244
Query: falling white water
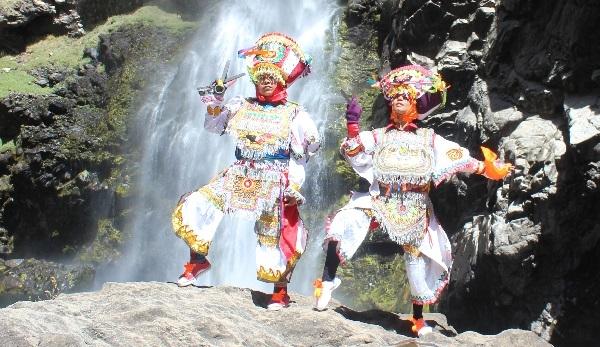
x=178, y=155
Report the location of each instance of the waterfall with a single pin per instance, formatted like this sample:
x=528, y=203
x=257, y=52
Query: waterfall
x=178, y=155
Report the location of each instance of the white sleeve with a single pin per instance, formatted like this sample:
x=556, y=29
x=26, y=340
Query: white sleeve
x=358, y=152
x=449, y=159
x=305, y=142
x=218, y=114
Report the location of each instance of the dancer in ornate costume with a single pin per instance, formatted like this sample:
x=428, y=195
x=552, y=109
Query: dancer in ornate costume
x=400, y=161
x=274, y=140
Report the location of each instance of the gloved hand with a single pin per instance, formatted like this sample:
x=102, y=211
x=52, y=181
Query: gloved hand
x=493, y=168
x=353, y=111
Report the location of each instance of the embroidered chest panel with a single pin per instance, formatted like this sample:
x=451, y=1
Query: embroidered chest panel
x=404, y=157
x=261, y=130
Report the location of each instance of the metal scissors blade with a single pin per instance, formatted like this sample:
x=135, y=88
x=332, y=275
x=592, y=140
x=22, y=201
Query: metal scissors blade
x=225, y=70
x=233, y=78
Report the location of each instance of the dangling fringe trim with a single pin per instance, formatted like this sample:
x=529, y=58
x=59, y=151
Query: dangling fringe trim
x=398, y=179
x=262, y=153
x=413, y=237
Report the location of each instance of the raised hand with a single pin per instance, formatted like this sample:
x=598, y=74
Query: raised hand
x=353, y=111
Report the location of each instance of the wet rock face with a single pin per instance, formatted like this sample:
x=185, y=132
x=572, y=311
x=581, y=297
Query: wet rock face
x=49, y=200
x=524, y=81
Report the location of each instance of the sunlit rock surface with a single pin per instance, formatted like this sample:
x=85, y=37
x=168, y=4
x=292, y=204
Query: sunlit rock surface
x=159, y=314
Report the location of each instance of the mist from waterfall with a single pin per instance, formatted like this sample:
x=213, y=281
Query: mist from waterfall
x=178, y=155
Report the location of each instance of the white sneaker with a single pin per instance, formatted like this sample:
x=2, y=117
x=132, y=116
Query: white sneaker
x=191, y=272
x=323, y=290
x=420, y=327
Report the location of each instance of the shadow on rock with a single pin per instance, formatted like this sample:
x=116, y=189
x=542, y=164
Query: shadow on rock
x=390, y=321
x=260, y=299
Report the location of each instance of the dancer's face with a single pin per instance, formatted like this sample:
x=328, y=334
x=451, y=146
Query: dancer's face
x=400, y=104
x=266, y=85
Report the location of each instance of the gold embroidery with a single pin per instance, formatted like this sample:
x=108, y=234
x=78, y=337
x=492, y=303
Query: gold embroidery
x=214, y=111
x=353, y=151
x=454, y=154
x=186, y=234
x=269, y=220
x=295, y=186
x=403, y=154
x=276, y=276
x=412, y=250
x=404, y=219
x=267, y=240
x=213, y=198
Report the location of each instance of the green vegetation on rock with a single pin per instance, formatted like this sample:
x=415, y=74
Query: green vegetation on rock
x=106, y=245
x=67, y=52
x=373, y=281
x=13, y=80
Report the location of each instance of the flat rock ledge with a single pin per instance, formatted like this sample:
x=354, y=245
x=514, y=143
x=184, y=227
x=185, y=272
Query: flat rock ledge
x=161, y=314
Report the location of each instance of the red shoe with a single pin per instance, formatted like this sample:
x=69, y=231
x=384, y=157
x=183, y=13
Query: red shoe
x=280, y=299
x=420, y=327
x=191, y=272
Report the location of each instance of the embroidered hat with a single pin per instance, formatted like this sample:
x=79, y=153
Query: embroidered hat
x=276, y=55
x=417, y=82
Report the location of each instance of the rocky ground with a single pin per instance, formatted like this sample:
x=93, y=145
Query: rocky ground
x=161, y=314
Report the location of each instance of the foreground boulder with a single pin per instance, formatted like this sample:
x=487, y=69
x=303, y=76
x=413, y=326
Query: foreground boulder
x=152, y=314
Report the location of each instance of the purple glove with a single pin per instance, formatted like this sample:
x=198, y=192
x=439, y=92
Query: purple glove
x=353, y=110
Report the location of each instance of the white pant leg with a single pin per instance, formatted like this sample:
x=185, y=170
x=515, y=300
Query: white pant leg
x=196, y=220
x=349, y=227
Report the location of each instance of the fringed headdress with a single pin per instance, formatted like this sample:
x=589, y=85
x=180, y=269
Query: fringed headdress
x=417, y=83
x=278, y=56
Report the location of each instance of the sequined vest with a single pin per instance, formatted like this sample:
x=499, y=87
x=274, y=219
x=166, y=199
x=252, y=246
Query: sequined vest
x=262, y=130
x=403, y=157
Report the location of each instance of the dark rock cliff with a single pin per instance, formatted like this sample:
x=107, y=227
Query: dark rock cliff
x=524, y=79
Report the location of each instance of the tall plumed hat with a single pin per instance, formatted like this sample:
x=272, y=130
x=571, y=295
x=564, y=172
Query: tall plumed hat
x=421, y=84
x=277, y=55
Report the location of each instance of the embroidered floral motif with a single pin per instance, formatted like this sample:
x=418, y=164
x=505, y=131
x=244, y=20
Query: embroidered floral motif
x=249, y=188
x=214, y=110
x=454, y=154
